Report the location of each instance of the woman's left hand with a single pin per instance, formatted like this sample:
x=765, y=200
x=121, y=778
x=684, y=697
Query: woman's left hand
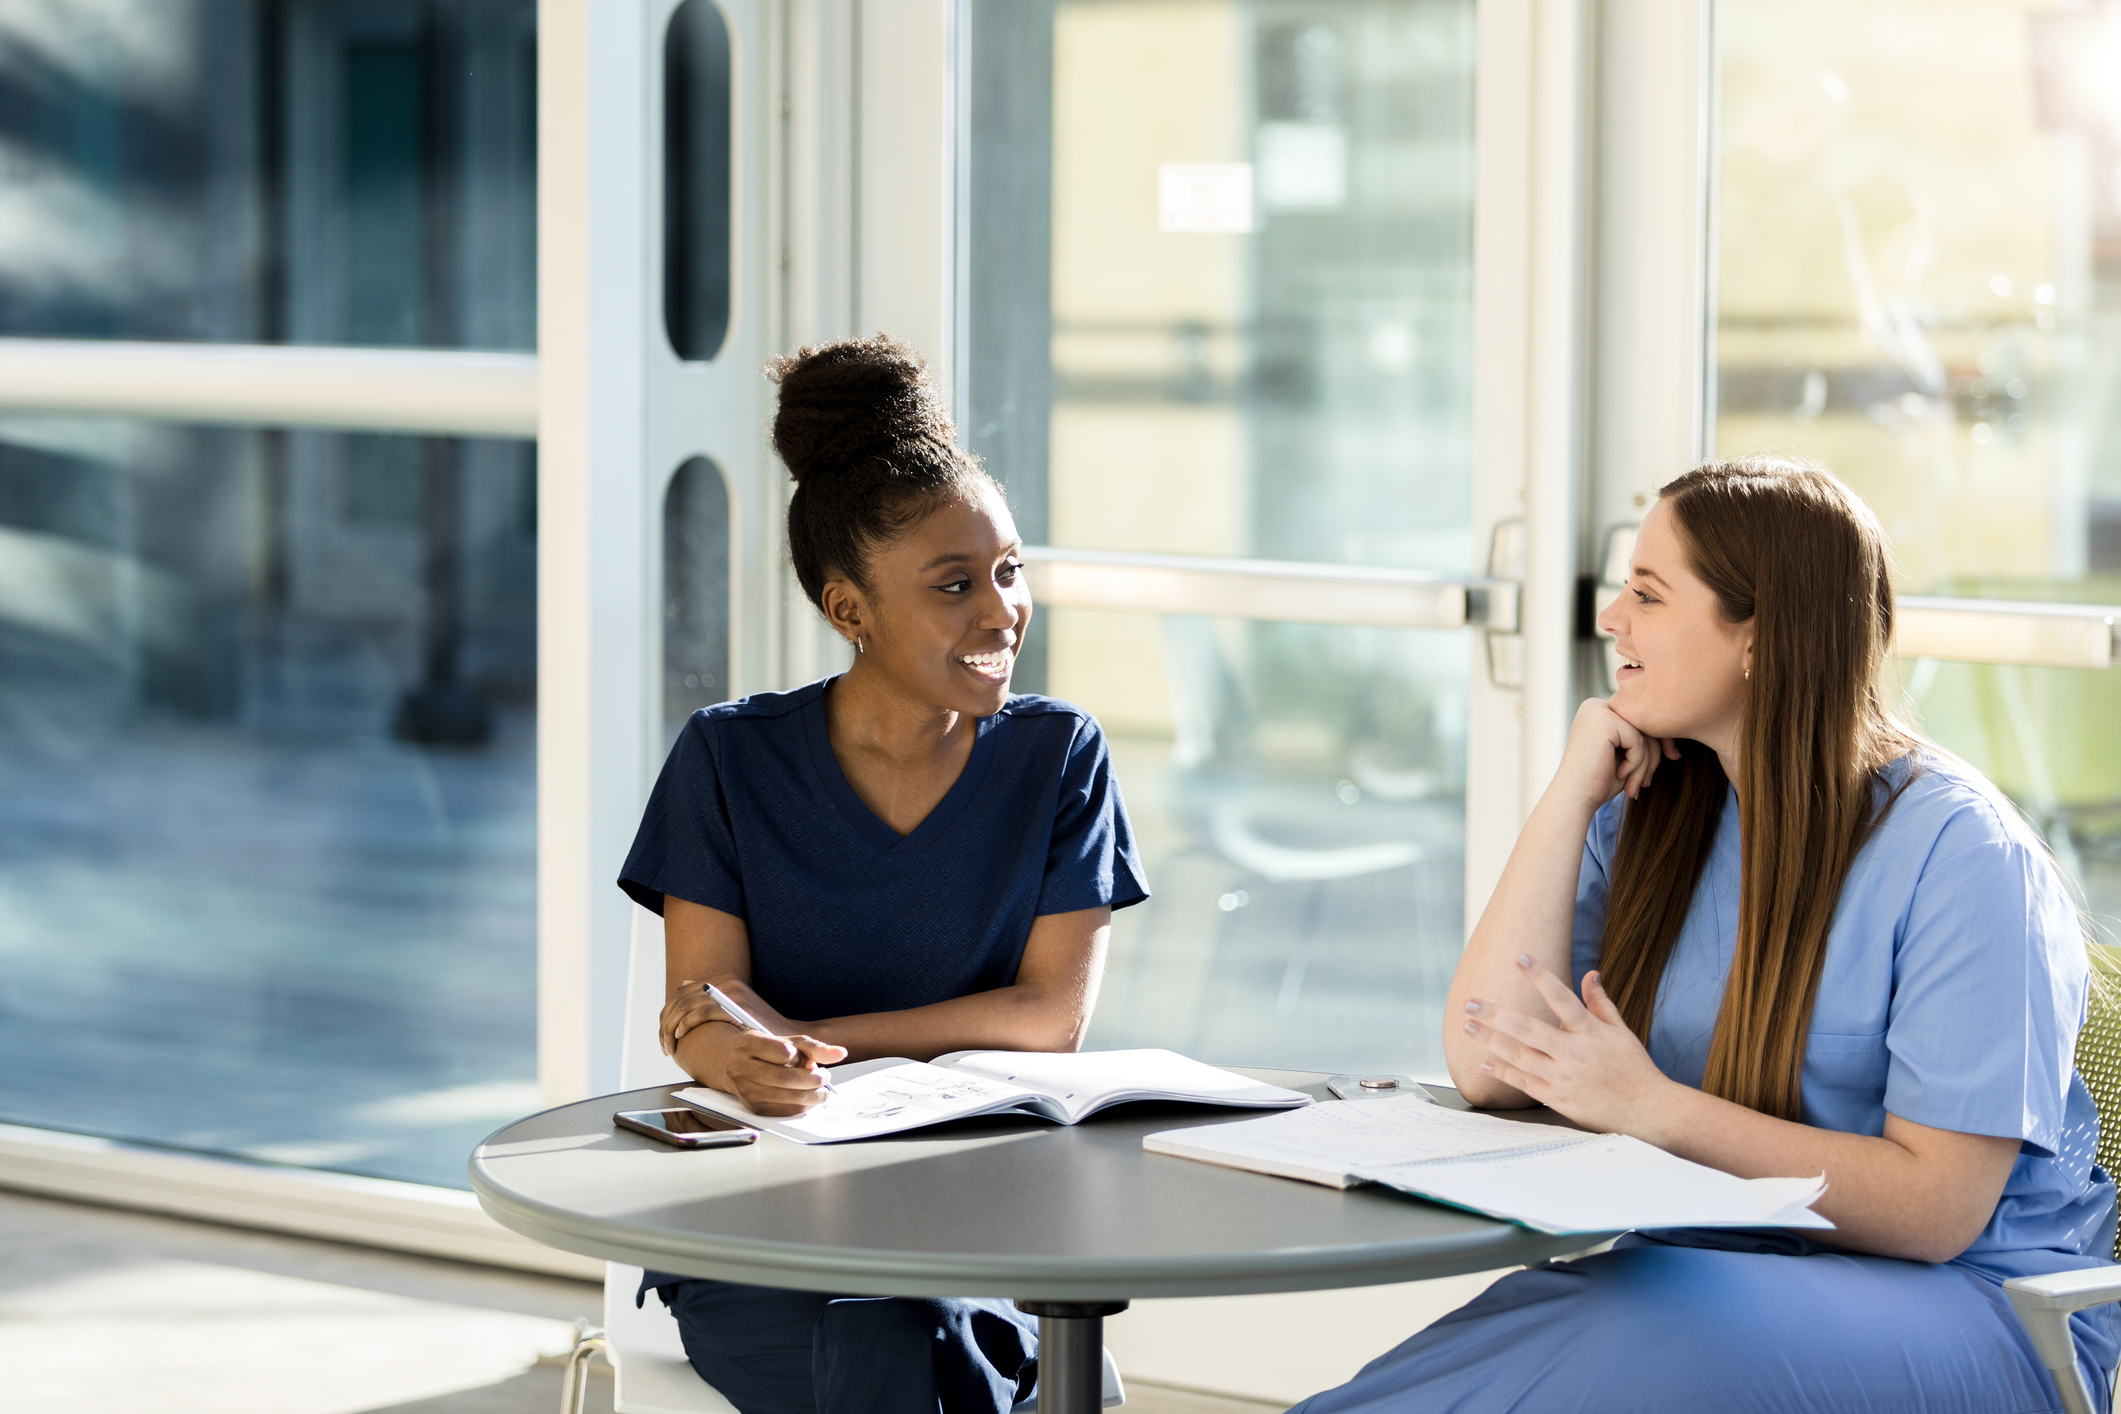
x=1585, y=1065
x=693, y=1007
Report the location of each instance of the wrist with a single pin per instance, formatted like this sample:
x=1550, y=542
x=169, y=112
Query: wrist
x=703, y=1051
x=1571, y=803
x=1653, y=1114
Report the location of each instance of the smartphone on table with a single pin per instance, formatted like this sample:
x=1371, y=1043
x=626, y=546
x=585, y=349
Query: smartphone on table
x=686, y=1128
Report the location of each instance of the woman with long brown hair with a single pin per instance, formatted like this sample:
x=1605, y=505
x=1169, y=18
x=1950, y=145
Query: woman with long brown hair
x=1758, y=921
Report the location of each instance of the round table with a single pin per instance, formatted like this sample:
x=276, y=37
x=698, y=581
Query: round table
x=1070, y=1221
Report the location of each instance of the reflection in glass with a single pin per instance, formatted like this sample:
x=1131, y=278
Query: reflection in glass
x=1919, y=268
x=237, y=912
x=1289, y=380
x=696, y=161
x=1304, y=839
x=695, y=593
x=299, y=171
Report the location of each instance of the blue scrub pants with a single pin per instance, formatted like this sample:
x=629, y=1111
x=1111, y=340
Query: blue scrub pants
x=769, y=1351
x=1652, y=1325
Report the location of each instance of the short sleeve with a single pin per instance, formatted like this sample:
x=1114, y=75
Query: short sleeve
x=1091, y=861
x=1594, y=883
x=1989, y=982
x=685, y=847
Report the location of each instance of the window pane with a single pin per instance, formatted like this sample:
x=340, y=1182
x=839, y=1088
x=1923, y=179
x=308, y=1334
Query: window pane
x=1289, y=377
x=1224, y=308
x=1919, y=270
x=298, y=171
x=695, y=593
x=1300, y=806
x=267, y=790
x=696, y=153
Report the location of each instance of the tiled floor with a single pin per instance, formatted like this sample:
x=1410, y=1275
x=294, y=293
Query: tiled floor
x=111, y=1312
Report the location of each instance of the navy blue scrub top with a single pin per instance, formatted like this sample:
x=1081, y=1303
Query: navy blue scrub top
x=752, y=815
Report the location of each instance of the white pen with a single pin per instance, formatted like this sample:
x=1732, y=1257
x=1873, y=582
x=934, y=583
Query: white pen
x=749, y=1022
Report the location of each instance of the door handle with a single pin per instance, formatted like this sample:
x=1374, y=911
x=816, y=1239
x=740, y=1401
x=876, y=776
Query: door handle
x=1501, y=635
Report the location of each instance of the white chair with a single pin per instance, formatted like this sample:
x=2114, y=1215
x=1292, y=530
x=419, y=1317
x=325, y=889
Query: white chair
x=649, y=1370
x=650, y=1373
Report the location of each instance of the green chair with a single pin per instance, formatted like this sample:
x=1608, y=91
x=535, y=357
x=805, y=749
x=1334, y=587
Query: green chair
x=2044, y=1303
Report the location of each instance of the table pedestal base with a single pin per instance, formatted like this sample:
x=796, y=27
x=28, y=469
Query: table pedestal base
x=1071, y=1353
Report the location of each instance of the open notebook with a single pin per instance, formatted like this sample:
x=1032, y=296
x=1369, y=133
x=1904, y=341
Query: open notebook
x=887, y=1096
x=1540, y=1176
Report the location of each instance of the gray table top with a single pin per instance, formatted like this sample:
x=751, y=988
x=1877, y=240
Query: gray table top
x=1009, y=1206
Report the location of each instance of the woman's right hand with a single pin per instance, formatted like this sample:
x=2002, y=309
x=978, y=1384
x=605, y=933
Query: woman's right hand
x=1606, y=755
x=774, y=1075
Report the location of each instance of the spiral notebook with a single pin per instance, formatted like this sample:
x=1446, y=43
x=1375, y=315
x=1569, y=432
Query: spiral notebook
x=1539, y=1176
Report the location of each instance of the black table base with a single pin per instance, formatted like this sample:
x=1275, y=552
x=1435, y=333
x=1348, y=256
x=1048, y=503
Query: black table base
x=1071, y=1353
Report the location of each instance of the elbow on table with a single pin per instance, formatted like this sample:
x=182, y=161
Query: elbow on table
x=1461, y=1058
x=1483, y=1091
x=1048, y=1023
x=1061, y=1036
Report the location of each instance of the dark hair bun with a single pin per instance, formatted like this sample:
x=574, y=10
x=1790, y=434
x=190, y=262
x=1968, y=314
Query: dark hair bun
x=867, y=438
x=845, y=402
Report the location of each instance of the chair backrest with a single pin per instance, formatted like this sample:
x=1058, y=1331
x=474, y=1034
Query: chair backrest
x=641, y=1060
x=646, y=1355
x=2099, y=1056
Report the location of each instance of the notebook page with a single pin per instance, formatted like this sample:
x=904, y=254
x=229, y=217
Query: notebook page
x=1346, y=1137
x=881, y=1102
x=1611, y=1185
x=1079, y=1076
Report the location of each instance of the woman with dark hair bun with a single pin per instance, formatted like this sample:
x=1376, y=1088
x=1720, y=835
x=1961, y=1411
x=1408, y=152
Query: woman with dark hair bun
x=901, y=860
x=1757, y=921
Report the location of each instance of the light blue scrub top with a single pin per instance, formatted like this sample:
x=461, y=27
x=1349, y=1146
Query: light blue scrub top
x=1954, y=987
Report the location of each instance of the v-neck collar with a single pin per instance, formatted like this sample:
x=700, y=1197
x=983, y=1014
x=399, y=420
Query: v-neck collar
x=866, y=822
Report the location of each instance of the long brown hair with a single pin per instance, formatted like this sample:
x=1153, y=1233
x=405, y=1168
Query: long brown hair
x=1788, y=546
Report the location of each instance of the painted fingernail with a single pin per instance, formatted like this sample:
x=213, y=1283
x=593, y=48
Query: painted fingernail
x=1472, y=1028
x=1488, y=1068
x=1524, y=960
x=1473, y=1007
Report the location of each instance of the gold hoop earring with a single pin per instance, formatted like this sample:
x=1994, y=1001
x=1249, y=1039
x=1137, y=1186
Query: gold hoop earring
x=1748, y=674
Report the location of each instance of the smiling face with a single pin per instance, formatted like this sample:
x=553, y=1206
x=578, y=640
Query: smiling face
x=946, y=608
x=1684, y=664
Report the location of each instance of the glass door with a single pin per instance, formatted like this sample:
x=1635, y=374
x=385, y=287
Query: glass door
x=1216, y=338
x=1919, y=283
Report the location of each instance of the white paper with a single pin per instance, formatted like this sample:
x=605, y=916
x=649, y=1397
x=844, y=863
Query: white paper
x=1073, y=1076
x=1344, y=1137
x=897, y=1097
x=1612, y=1184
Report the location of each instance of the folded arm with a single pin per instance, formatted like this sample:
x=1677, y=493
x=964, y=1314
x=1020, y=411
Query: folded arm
x=1532, y=912
x=1046, y=1008
x=1914, y=1192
